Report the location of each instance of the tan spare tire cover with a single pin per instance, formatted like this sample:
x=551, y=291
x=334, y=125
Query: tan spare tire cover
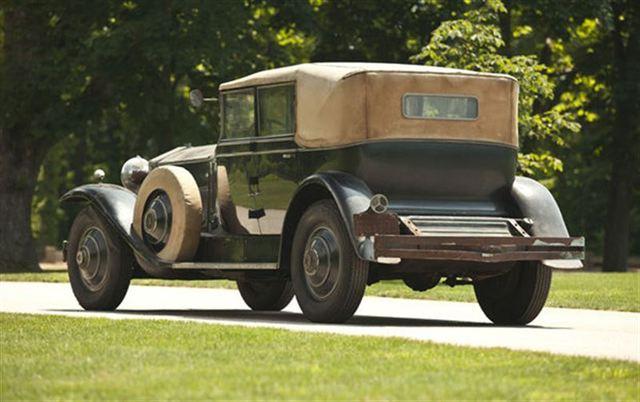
x=186, y=206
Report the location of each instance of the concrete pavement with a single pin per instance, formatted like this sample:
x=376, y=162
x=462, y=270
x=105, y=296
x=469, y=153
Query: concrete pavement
x=603, y=334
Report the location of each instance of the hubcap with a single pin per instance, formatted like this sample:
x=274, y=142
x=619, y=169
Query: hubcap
x=321, y=262
x=92, y=257
x=156, y=221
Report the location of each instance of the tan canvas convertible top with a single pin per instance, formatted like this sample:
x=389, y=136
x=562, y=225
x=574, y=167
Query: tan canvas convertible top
x=345, y=103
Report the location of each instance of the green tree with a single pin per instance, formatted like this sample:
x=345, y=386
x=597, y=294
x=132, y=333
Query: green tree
x=474, y=42
x=623, y=149
x=591, y=47
x=372, y=30
x=40, y=82
x=585, y=51
x=111, y=81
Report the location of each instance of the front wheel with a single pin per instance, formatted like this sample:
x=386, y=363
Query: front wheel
x=266, y=295
x=328, y=278
x=517, y=297
x=99, y=264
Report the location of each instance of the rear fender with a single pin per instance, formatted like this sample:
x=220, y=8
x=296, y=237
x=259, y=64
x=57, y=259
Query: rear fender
x=351, y=195
x=537, y=203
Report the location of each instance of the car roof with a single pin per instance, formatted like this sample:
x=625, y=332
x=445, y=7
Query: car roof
x=336, y=71
x=339, y=104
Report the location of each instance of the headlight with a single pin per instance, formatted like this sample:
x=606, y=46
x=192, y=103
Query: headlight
x=133, y=173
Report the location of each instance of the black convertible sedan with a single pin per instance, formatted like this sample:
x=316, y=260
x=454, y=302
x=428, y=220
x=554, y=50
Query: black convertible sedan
x=326, y=178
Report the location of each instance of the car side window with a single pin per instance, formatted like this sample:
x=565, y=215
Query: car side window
x=276, y=110
x=239, y=114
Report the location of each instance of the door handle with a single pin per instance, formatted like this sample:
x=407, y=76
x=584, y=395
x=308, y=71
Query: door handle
x=288, y=156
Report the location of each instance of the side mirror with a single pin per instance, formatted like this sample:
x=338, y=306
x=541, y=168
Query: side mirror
x=196, y=98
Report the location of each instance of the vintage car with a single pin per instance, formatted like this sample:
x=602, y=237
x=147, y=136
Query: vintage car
x=326, y=178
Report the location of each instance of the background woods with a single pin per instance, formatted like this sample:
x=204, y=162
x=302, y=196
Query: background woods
x=85, y=86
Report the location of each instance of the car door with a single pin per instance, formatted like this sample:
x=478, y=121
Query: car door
x=234, y=161
x=275, y=163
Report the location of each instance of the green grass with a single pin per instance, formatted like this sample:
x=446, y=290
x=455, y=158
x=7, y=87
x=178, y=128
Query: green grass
x=591, y=290
x=61, y=358
x=59, y=276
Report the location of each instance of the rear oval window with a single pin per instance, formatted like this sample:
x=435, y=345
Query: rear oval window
x=439, y=107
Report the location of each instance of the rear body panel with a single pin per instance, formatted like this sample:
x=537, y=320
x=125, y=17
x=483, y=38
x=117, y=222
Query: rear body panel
x=427, y=177
x=418, y=177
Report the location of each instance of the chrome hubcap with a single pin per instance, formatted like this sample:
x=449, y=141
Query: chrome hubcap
x=321, y=262
x=92, y=257
x=156, y=221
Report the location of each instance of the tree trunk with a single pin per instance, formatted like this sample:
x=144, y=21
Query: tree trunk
x=623, y=147
x=505, y=28
x=18, y=175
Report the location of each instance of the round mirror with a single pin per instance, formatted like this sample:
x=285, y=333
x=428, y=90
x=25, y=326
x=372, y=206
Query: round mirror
x=196, y=98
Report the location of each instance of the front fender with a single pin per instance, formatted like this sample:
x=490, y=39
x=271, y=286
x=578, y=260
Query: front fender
x=351, y=195
x=115, y=204
x=537, y=203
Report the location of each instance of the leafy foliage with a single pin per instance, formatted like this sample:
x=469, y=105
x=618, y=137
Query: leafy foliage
x=88, y=87
x=131, y=73
x=474, y=42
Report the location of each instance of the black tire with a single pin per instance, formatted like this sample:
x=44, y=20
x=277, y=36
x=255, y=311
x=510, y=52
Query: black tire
x=517, y=297
x=330, y=284
x=266, y=296
x=101, y=273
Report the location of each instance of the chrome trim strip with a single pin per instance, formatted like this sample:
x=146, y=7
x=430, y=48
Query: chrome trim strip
x=249, y=153
x=225, y=265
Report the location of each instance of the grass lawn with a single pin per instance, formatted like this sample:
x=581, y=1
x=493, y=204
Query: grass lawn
x=49, y=357
x=591, y=290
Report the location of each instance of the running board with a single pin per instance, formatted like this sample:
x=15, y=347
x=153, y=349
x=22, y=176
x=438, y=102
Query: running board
x=226, y=265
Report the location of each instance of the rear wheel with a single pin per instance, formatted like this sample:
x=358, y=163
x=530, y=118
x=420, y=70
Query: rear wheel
x=99, y=264
x=328, y=278
x=517, y=297
x=266, y=296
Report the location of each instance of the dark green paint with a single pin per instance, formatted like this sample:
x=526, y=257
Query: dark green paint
x=418, y=177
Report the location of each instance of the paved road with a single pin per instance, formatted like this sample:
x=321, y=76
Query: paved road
x=563, y=331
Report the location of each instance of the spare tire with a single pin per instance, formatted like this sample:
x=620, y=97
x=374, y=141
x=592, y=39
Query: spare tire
x=168, y=213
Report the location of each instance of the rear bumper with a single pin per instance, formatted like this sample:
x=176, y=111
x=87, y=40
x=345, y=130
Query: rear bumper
x=478, y=249
x=489, y=240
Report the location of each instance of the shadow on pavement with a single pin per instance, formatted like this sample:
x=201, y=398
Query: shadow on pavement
x=284, y=317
